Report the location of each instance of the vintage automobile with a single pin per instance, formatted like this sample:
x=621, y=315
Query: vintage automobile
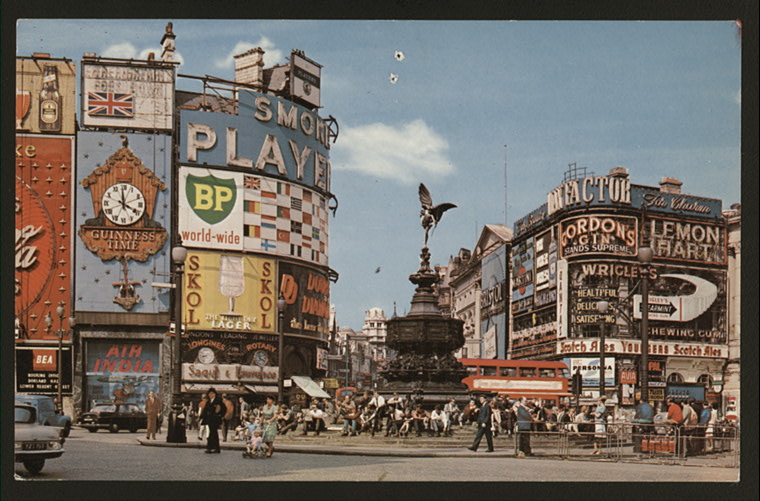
x=114, y=417
x=46, y=412
x=33, y=442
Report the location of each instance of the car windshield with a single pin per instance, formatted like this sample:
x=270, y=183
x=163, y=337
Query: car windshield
x=23, y=415
x=104, y=408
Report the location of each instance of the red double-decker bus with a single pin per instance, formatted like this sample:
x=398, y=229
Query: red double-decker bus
x=547, y=381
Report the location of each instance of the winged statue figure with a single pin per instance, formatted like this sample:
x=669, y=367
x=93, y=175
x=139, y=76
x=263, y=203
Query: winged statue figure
x=430, y=215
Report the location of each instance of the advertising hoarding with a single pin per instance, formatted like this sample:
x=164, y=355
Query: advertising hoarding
x=37, y=370
x=598, y=235
x=305, y=79
x=269, y=136
x=43, y=269
x=493, y=300
x=589, y=368
x=229, y=292
x=527, y=222
x=206, y=347
x=45, y=96
x=687, y=240
x=133, y=95
x=121, y=370
x=522, y=277
x=589, y=191
x=633, y=347
x=675, y=203
x=121, y=250
x=307, y=297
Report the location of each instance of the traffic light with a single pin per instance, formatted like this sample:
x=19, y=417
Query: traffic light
x=577, y=383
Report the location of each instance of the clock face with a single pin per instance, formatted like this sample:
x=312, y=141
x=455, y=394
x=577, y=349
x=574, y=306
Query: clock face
x=123, y=204
x=260, y=358
x=205, y=355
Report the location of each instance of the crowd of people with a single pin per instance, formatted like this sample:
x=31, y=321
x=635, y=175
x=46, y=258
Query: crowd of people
x=373, y=413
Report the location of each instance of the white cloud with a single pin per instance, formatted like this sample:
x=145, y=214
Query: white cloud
x=404, y=153
x=126, y=50
x=272, y=55
x=738, y=97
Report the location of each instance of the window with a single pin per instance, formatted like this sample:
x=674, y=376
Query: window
x=548, y=373
x=527, y=372
x=509, y=371
x=706, y=380
x=675, y=377
x=472, y=371
x=464, y=352
x=488, y=371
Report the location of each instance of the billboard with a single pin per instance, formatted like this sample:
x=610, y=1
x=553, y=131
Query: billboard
x=307, y=295
x=534, y=218
x=45, y=95
x=522, y=277
x=43, y=269
x=305, y=79
x=493, y=301
x=633, y=347
x=123, y=216
x=598, y=235
x=229, y=292
x=233, y=211
x=121, y=370
x=589, y=191
x=687, y=240
x=129, y=94
x=208, y=347
x=268, y=136
x=37, y=369
x=590, y=370
x=210, y=208
x=686, y=304
x=675, y=203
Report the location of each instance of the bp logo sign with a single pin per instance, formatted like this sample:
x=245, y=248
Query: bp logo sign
x=211, y=198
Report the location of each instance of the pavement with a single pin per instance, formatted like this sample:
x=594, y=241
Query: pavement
x=544, y=447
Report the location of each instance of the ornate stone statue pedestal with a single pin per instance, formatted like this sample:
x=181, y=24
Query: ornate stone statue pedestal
x=424, y=341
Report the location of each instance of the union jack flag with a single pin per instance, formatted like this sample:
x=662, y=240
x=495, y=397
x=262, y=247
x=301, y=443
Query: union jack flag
x=110, y=104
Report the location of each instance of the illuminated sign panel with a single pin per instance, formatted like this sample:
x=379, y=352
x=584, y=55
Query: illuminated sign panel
x=122, y=249
x=229, y=292
x=522, y=277
x=633, y=347
x=305, y=78
x=121, y=371
x=43, y=270
x=598, y=234
x=686, y=240
x=137, y=95
x=269, y=136
x=307, y=296
x=589, y=191
x=37, y=370
x=675, y=203
x=45, y=96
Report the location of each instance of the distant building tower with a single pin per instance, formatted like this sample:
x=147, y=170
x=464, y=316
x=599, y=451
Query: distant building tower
x=375, y=329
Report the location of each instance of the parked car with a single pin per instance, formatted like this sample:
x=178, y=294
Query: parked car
x=47, y=414
x=114, y=417
x=33, y=442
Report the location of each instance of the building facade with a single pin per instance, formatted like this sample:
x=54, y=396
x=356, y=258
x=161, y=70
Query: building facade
x=580, y=248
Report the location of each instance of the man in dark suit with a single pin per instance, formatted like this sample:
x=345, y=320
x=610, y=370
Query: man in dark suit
x=211, y=416
x=484, y=425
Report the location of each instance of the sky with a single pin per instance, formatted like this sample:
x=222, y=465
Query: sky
x=466, y=100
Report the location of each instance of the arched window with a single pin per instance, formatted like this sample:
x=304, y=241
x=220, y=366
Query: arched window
x=675, y=377
x=706, y=380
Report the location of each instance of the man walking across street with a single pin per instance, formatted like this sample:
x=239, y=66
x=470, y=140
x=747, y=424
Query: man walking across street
x=484, y=426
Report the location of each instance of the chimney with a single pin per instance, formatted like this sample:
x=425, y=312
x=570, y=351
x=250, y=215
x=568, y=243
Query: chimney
x=618, y=172
x=670, y=185
x=167, y=44
x=249, y=67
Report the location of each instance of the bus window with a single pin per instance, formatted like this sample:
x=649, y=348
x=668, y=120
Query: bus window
x=527, y=372
x=547, y=373
x=472, y=371
x=509, y=371
x=488, y=371
x=565, y=373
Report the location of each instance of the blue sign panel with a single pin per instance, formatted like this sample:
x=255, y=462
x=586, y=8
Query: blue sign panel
x=534, y=218
x=121, y=371
x=269, y=135
x=675, y=203
x=684, y=392
x=123, y=220
x=493, y=298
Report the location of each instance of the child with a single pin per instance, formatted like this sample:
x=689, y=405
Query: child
x=256, y=446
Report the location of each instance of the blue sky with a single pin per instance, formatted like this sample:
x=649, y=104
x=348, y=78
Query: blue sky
x=660, y=98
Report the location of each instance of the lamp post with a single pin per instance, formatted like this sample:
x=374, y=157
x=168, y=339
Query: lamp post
x=176, y=431
x=59, y=333
x=645, y=256
x=281, y=304
x=602, y=306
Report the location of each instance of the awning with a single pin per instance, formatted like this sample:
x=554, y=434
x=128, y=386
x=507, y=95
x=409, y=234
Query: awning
x=309, y=386
x=204, y=387
x=261, y=390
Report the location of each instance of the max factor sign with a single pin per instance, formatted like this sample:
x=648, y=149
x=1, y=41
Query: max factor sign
x=590, y=190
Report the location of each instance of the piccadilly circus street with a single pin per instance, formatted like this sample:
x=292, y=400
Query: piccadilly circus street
x=103, y=456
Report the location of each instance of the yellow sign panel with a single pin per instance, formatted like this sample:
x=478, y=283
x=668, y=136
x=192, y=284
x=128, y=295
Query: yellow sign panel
x=229, y=292
x=45, y=95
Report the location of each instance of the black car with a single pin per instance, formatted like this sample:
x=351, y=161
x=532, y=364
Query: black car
x=114, y=417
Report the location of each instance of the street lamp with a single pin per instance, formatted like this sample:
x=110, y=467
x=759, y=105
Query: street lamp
x=602, y=306
x=176, y=432
x=281, y=305
x=645, y=256
x=59, y=333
